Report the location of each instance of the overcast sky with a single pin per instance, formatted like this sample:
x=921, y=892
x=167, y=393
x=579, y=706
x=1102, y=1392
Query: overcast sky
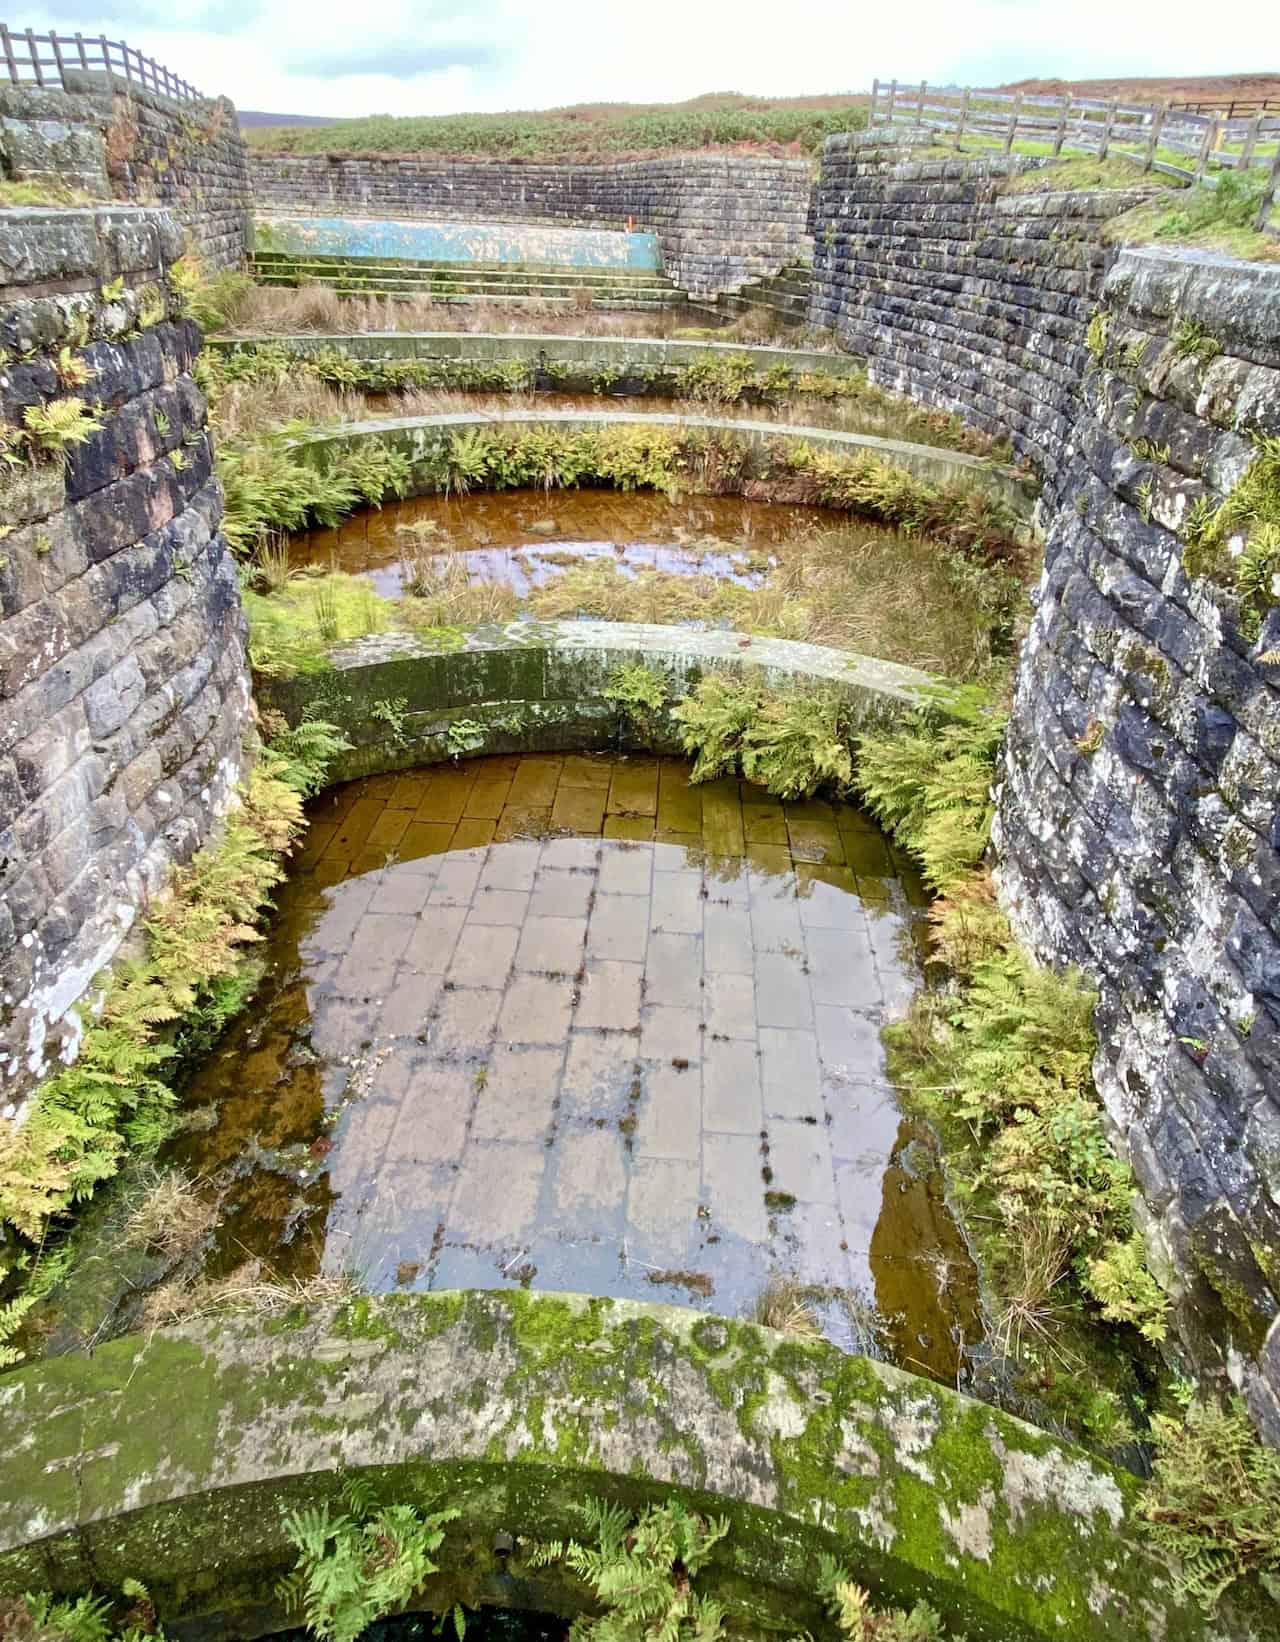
x=447, y=56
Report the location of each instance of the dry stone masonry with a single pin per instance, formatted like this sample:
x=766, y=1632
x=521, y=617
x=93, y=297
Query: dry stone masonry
x=111, y=140
x=722, y=219
x=1139, y=815
x=123, y=686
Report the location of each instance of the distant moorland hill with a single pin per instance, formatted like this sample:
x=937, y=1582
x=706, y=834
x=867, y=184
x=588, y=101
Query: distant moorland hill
x=720, y=120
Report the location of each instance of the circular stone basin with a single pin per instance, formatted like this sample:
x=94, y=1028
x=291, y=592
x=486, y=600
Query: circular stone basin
x=523, y=538
x=574, y=1023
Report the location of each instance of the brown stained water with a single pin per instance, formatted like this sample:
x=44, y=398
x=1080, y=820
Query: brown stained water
x=573, y=1023
x=523, y=538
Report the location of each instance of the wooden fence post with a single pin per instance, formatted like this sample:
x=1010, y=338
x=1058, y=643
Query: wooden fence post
x=1250, y=142
x=1269, y=195
x=1013, y=123
x=920, y=103
x=1107, y=127
x=34, y=49
x=6, y=42
x=1206, y=146
x=964, y=115
x=1060, y=136
x=875, y=92
x=1153, y=141
x=893, y=97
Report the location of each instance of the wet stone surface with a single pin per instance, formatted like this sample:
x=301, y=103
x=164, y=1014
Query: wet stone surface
x=576, y=1024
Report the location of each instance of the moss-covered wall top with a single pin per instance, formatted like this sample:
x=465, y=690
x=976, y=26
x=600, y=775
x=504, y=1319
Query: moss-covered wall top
x=170, y=1457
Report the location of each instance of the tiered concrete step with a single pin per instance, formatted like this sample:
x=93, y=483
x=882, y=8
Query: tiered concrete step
x=785, y=293
x=513, y=283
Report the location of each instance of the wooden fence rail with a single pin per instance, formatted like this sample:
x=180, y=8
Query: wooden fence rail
x=1139, y=132
x=43, y=60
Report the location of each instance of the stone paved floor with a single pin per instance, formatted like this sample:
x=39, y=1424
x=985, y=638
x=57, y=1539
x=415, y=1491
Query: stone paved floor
x=640, y=1059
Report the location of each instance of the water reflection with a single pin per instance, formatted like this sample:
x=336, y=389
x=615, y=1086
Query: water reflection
x=574, y=1023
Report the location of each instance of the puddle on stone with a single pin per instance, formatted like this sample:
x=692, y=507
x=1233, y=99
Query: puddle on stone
x=522, y=538
x=574, y=1023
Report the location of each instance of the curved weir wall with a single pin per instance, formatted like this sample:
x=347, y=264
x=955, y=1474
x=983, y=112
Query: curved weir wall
x=123, y=685
x=172, y=1458
x=1139, y=816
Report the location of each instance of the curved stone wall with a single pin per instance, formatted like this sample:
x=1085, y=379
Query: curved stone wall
x=111, y=137
x=1139, y=819
x=123, y=688
x=172, y=1458
x=421, y=438
x=722, y=218
x=539, y=687
x=1140, y=815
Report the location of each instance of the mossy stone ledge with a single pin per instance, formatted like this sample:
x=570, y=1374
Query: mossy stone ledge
x=171, y=1457
x=540, y=687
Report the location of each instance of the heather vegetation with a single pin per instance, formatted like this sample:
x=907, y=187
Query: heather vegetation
x=602, y=130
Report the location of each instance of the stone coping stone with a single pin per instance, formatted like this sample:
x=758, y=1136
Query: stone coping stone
x=170, y=1457
x=539, y=686
x=418, y=437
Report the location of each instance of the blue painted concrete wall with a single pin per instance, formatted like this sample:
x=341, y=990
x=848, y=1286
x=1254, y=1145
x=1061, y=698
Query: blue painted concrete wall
x=458, y=241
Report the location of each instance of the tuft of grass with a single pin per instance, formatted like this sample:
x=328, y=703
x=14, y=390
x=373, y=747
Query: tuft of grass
x=1212, y=219
x=172, y=1215
x=1086, y=171
x=784, y=1304
x=291, y=630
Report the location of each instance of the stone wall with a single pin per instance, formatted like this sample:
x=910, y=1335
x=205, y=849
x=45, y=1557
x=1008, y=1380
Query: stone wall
x=112, y=140
x=1139, y=813
x=959, y=295
x=722, y=219
x=123, y=687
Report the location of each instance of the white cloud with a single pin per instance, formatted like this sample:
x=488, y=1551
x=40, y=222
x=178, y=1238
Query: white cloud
x=540, y=53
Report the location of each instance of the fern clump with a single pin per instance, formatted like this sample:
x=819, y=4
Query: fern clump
x=303, y=753
x=1238, y=542
x=929, y=782
x=790, y=744
x=641, y=696
x=1213, y=1503
x=360, y=1564
x=850, y=1607
x=114, y=1097
x=642, y=1569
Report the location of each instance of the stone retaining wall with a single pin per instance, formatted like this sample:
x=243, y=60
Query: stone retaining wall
x=956, y=294
x=1139, y=816
x=123, y=689
x=110, y=139
x=540, y=687
x=1140, y=813
x=722, y=219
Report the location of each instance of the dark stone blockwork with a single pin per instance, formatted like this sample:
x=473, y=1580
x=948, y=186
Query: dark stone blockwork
x=123, y=686
x=1138, y=818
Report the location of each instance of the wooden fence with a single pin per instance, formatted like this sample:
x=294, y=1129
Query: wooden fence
x=43, y=59
x=1146, y=134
